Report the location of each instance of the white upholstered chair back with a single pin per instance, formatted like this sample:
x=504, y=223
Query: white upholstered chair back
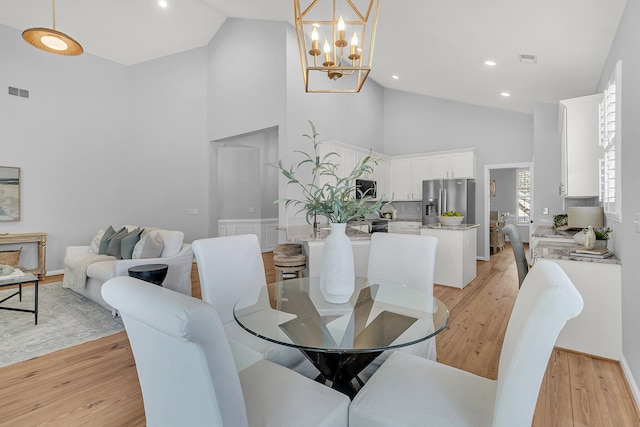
x=403, y=259
x=229, y=268
x=185, y=366
x=545, y=302
x=412, y=391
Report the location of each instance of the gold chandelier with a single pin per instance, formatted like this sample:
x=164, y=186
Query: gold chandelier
x=341, y=66
x=51, y=40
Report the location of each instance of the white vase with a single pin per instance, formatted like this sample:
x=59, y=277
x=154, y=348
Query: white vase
x=590, y=238
x=337, y=272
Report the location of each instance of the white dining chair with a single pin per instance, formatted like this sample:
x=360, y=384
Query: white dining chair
x=230, y=267
x=187, y=372
x=412, y=391
x=404, y=260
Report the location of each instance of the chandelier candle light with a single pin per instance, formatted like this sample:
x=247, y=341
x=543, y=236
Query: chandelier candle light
x=345, y=64
x=51, y=40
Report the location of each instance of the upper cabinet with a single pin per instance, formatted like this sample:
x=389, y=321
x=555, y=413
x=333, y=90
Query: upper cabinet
x=458, y=164
x=580, y=148
x=407, y=174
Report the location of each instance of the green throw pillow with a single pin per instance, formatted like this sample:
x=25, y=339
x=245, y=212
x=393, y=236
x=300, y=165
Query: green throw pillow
x=104, y=243
x=129, y=242
x=115, y=243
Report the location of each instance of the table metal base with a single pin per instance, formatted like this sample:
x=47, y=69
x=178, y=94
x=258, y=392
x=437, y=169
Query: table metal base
x=24, y=310
x=338, y=370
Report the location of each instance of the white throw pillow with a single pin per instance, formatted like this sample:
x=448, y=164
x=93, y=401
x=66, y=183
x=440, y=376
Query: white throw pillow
x=95, y=243
x=149, y=246
x=172, y=241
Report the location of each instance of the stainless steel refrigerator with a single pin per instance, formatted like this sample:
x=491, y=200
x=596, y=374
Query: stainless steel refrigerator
x=442, y=195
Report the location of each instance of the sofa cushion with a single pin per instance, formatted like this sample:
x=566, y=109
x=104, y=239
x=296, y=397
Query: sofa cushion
x=94, y=248
x=129, y=242
x=104, y=242
x=149, y=246
x=115, y=243
x=101, y=270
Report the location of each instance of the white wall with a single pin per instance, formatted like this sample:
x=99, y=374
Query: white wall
x=546, y=155
x=167, y=144
x=627, y=239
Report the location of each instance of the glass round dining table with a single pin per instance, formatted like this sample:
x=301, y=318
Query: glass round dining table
x=341, y=339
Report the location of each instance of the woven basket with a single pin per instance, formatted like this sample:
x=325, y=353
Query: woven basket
x=10, y=257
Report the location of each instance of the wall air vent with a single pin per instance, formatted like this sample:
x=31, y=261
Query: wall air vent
x=18, y=92
x=528, y=58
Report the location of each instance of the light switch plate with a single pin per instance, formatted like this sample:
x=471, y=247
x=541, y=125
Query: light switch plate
x=545, y=211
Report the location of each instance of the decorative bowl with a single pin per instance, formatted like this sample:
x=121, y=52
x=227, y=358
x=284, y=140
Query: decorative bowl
x=450, y=220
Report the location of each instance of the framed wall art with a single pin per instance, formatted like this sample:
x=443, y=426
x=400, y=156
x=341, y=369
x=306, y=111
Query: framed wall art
x=492, y=188
x=9, y=193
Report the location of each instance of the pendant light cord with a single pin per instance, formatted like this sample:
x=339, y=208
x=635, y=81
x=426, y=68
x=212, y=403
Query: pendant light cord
x=53, y=7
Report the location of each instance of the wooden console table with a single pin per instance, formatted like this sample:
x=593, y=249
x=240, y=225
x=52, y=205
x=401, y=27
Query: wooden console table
x=40, y=239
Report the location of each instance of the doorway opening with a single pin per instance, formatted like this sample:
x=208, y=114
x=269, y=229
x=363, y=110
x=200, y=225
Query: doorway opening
x=509, y=194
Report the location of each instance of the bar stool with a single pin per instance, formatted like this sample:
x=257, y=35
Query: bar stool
x=289, y=261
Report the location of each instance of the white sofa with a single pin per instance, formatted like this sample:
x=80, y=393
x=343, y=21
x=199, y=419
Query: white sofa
x=177, y=254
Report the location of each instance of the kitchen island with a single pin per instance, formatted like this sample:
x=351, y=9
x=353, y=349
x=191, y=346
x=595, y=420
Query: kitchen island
x=597, y=330
x=456, y=254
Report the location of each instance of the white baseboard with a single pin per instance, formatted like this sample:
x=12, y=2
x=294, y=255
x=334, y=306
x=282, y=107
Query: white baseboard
x=633, y=385
x=54, y=272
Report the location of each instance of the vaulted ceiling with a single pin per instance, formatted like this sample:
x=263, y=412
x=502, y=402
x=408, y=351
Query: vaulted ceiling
x=436, y=48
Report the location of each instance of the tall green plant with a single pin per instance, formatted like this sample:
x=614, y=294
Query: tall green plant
x=335, y=198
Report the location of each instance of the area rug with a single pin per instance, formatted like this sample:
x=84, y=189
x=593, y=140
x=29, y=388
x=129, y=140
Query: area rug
x=65, y=319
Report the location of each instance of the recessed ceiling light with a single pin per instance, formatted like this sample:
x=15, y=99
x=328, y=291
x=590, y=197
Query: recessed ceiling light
x=505, y=94
x=490, y=63
x=395, y=77
x=163, y=3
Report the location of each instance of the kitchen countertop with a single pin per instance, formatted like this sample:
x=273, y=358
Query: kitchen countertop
x=460, y=227
x=304, y=233
x=550, y=233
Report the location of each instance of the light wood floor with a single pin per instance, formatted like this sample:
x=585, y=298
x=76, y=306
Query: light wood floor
x=95, y=384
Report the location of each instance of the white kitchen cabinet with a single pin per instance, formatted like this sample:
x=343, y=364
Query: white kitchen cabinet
x=382, y=176
x=460, y=164
x=455, y=256
x=580, y=149
x=405, y=227
x=407, y=174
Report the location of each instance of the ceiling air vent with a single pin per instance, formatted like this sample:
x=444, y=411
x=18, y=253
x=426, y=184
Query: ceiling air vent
x=528, y=59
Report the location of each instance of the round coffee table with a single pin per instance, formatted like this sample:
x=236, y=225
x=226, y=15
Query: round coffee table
x=152, y=273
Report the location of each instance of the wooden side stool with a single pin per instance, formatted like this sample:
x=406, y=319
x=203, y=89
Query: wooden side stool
x=289, y=266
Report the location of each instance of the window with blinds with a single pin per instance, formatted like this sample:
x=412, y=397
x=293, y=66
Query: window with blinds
x=523, y=192
x=609, y=118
